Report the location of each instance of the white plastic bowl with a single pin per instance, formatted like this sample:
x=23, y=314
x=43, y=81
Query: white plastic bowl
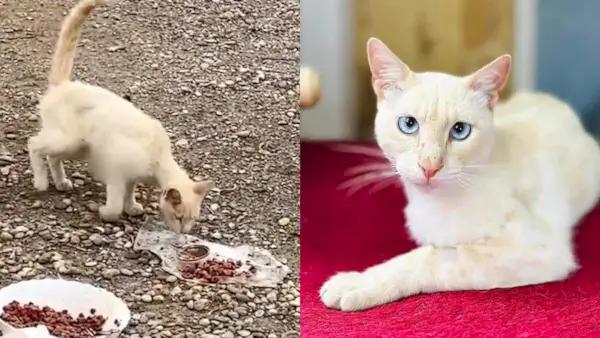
x=72, y=296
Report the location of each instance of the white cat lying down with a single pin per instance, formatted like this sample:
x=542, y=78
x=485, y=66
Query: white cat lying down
x=494, y=191
x=120, y=143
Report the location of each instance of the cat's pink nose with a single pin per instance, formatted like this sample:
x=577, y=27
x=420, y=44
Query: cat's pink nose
x=430, y=168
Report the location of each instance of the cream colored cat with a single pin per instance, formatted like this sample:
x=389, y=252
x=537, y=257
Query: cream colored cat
x=120, y=143
x=494, y=191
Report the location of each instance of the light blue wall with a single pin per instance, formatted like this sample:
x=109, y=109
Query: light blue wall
x=569, y=53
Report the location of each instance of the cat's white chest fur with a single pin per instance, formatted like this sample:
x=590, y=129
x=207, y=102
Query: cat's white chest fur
x=451, y=220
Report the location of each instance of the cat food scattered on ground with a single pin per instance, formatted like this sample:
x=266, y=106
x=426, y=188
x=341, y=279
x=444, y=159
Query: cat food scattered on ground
x=213, y=271
x=60, y=324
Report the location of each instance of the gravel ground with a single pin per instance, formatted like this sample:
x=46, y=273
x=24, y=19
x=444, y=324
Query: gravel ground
x=222, y=77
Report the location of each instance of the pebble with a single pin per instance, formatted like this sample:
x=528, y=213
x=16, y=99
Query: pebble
x=110, y=273
x=127, y=272
x=97, y=239
x=5, y=236
x=284, y=221
x=272, y=296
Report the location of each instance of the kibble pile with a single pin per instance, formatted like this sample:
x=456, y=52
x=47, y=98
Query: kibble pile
x=60, y=324
x=213, y=271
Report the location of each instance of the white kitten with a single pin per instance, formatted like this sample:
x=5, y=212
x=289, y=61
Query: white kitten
x=492, y=197
x=120, y=143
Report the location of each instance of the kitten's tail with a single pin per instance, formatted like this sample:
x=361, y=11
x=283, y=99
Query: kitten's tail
x=62, y=62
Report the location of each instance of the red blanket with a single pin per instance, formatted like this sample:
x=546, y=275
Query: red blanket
x=348, y=232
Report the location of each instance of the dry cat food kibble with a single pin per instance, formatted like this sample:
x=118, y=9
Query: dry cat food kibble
x=60, y=324
x=213, y=270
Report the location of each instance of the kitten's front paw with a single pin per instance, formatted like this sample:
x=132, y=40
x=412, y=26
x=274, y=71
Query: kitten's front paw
x=135, y=209
x=109, y=215
x=338, y=287
x=64, y=185
x=41, y=183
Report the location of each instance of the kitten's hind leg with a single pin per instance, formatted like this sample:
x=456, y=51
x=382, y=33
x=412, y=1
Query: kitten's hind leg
x=53, y=144
x=61, y=182
x=36, y=160
x=132, y=208
x=115, y=195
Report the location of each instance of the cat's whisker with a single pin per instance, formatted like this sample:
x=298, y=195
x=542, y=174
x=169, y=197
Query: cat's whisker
x=363, y=168
x=358, y=187
x=383, y=184
x=365, y=179
x=360, y=150
x=462, y=182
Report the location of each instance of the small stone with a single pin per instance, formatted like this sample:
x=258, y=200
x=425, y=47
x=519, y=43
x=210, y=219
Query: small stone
x=97, y=239
x=5, y=236
x=126, y=272
x=93, y=206
x=199, y=305
x=146, y=298
x=74, y=239
x=110, y=273
x=60, y=205
x=204, y=322
x=272, y=296
x=284, y=221
x=171, y=279
x=243, y=333
x=176, y=291
x=241, y=297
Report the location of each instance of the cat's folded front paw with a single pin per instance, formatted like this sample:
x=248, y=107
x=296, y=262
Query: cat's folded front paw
x=135, y=209
x=335, y=291
x=64, y=185
x=109, y=215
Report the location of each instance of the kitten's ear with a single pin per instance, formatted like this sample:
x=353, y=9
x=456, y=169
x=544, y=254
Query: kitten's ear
x=173, y=196
x=202, y=187
x=387, y=70
x=491, y=78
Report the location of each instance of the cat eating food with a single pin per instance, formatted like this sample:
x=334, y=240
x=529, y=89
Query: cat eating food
x=121, y=144
x=494, y=189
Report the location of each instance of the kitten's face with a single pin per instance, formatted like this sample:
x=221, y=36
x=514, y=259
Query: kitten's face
x=181, y=203
x=434, y=127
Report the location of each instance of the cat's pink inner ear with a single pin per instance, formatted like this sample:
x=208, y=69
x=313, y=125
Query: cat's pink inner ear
x=387, y=70
x=490, y=79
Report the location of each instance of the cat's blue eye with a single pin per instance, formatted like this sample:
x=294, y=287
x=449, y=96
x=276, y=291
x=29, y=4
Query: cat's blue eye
x=408, y=125
x=460, y=131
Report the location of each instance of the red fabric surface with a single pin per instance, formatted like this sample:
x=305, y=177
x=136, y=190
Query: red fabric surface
x=342, y=232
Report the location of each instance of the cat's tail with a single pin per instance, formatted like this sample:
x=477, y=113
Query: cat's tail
x=62, y=62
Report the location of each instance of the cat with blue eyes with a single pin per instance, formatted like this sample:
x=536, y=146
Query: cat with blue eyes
x=494, y=189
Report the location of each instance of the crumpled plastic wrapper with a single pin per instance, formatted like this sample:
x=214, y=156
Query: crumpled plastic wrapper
x=154, y=237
